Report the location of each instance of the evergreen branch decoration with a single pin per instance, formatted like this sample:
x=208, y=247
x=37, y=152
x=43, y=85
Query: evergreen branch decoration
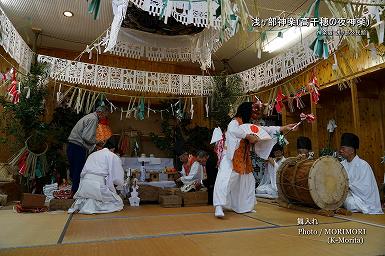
x=225, y=95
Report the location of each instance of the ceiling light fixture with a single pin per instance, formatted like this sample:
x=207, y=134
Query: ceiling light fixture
x=68, y=14
x=288, y=37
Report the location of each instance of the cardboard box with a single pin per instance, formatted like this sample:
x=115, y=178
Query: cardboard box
x=170, y=201
x=195, y=198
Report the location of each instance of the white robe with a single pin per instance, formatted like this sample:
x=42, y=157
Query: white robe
x=232, y=190
x=96, y=193
x=195, y=174
x=268, y=186
x=363, y=191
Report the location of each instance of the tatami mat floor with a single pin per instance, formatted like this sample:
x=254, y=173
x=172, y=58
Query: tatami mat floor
x=152, y=230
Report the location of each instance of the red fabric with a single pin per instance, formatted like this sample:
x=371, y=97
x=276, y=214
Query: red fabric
x=20, y=209
x=219, y=147
x=62, y=194
x=104, y=120
x=22, y=164
x=278, y=100
x=187, y=166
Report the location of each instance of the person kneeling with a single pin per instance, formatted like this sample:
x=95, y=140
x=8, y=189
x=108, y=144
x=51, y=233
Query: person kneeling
x=96, y=193
x=363, y=193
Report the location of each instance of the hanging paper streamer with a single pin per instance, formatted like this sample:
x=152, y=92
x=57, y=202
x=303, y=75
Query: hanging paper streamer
x=278, y=100
x=140, y=113
x=290, y=104
x=313, y=89
x=331, y=125
x=119, y=8
x=148, y=109
x=207, y=107
x=28, y=92
x=192, y=108
x=94, y=7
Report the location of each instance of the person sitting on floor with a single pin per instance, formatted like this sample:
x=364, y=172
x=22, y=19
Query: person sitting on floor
x=268, y=186
x=363, y=193
x=304, y=147
x=187, y=160
x=195, y=174
x=97, y=193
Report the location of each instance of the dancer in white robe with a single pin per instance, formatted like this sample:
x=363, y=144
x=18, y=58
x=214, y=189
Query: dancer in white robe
x=267, y=188
x=363, y=193
x=97, y=193
x=234, y=187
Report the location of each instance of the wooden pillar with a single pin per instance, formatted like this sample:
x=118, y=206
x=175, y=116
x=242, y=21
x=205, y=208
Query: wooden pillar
x=314, y=131
x=284, y=122
x=355, y=109
x=284, y=115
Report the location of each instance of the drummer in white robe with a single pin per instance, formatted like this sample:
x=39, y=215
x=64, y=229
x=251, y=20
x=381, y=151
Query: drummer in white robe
x=235, y=184
x=363, y=193
x=97, y=193
x=268, y=186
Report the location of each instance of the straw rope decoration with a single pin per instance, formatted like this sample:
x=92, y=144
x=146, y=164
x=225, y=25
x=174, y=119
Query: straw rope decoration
x=31, y=165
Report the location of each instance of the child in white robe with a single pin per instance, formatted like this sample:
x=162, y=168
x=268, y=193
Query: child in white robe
x=267, y=188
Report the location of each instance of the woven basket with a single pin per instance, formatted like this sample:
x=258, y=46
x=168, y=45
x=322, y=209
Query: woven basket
x=7, y=172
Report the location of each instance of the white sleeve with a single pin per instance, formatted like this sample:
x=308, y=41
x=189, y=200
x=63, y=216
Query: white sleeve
x=271, y=130
x=115, y=171
x=193, y=175
x=234, y=129
x=183, y=172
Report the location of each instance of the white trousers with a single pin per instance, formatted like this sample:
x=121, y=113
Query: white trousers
x=232, y=190
x=93, y=196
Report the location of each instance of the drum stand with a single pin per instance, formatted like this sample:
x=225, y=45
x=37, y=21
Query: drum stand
x=323, y=212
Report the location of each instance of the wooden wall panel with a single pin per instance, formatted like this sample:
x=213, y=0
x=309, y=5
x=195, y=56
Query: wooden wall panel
x=145, y=127
x=371, y=121
x=6, y=149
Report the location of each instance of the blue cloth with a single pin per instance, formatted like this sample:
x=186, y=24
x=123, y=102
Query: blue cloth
x=77, y=156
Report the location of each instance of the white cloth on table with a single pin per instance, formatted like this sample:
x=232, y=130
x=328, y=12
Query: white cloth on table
x=159, y=184
x=96, y=193
x=268, y=186
x=155, y=164
x=363, y=193
x=231, y=190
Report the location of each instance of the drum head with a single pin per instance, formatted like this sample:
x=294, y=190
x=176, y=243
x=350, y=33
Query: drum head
x=328, y=183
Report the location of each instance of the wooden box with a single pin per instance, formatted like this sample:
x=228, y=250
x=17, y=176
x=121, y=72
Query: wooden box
x=12, y=189
x=60, y=204
x=173, y=176
x=195, y=198
x=154, y=176
x=32, y=200
x=169, y=192
x=148, y=193
x=170, y=201
x=163, y=176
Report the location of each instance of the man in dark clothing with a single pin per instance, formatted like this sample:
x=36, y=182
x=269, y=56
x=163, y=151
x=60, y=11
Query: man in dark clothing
x=211, y=173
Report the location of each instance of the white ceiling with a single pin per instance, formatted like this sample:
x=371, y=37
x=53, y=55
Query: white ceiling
x=76, y=32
